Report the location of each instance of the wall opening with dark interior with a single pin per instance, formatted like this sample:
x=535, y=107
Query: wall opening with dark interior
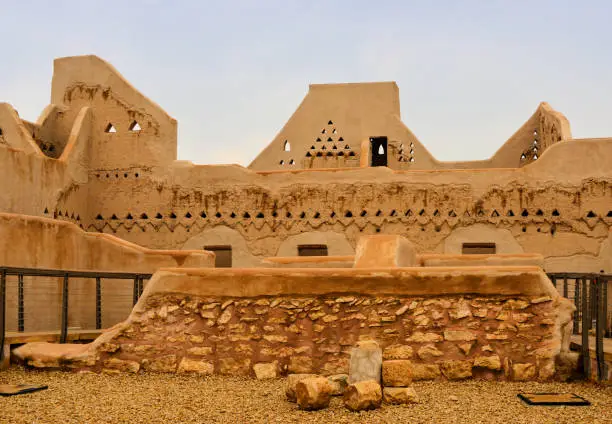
x=378, y=149
x=478, y=249
x=223, y=255
x=312, y=250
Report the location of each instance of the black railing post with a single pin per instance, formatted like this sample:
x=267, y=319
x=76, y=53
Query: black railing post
x=135, y=291
x=576, y=329
x=2, y=311
x=553, y=280
x=20, y=309
x=600, y=327
x=565, y=290
x=140, y=286
x=586, y=360
x=64, y=329
x=98, y=303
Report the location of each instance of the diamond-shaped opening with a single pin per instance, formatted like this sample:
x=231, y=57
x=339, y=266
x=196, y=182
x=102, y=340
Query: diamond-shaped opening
x=110, y=128
x=134, y=126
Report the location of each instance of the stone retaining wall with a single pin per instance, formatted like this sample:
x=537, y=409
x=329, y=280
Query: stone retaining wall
x=449, y=322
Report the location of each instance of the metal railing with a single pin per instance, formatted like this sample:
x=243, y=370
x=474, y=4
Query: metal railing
x=589, y=292
x=136, y=278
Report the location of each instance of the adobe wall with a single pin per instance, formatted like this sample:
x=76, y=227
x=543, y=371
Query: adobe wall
x=503, y=323
x=34, y=242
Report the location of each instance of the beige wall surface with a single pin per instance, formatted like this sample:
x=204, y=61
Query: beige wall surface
x=128, y=184
x=35, y=242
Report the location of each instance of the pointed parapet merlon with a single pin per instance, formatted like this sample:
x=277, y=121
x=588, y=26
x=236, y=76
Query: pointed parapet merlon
x=384, y=251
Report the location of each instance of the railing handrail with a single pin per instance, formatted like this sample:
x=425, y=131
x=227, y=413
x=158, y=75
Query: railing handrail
x=574, y=275
x=49, y=272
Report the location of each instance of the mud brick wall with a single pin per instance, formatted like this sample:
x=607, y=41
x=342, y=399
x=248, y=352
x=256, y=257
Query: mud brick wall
x=447, y=337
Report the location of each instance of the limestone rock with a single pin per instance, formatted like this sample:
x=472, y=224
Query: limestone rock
x=466, y=348
x=366, y=362
x=541, y=299
x=363, y=395
x=122, y=365
x=491, y=362
x=457, y=370
x=462, y=310
x=233, y=366
x=398, y=352
x=425, y=371
x=459, y=336
x=226, y=316
x=266, y=370
x=300, y=365
x=339, y=383
x=195, y=366
x=397, y=373
x=200, y=350
x=428, y=352
x=400, y=395
x=420, y=337
x=292, y=381
x=165, y=363
x=523, y=372
x=313, y=393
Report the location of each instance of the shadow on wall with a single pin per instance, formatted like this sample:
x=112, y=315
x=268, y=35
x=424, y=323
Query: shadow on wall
x=324, y=243
x=225, y=242
x=498, y=240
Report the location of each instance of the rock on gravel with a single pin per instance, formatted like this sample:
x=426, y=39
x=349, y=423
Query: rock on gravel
x=292, y=381
x=313, y=393
x=363, y=395
x=400, y=395
x=397, y=373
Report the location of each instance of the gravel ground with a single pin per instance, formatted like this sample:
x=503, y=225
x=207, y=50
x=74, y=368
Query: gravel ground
x=164, y=398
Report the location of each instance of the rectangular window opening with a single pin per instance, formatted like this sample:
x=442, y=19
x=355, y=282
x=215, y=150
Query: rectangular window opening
x=312, y=250
x=478, y=249
x=223, y=255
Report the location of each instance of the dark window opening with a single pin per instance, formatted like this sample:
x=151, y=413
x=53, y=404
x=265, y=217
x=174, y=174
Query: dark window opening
x=312, y=250
x=478, y=249
x=378, y=149
x=223, y=255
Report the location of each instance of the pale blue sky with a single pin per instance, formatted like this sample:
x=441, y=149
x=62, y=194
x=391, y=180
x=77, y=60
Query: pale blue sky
x=470, y=72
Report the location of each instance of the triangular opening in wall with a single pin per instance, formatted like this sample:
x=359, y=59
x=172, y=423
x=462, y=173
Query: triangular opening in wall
x=408, y=213
x=308, y=155
x=323, y=148
x=144, y=216
x=348, y=214
x=340, y=153
x=329, y=139
x=452, y=214
x=134, y=126
x=334, y=148
x=555, y=212
x=466, y=214
x=329, y=154
x=422, y=212
x=303, y=215
x=158, y=215
x=78, y=218
x=539, y=212
x=288, y=215
x=232, y=215
x=347, y=147
x=480, y=212
x=110, y=128
x=114, y=217
x=363, y=213
x=60, y=213
x=333, y=215
x=494, y=214
x=351, y=153
x=246, y=215
x=330, y=123
x=203, y=214
x=312, y=147
x=259, y=215
x=341, y=139
x=524, y=213
x=436, y=213
x=129, y=216
x=173, y=215
x=318, y=139
x=510, y=213
x=319, y=154
x=99, y=217
x=218, y=215
x=46, y=211
x=188, y=215
x=591, y=214
x=393, y=213
x=317, y=215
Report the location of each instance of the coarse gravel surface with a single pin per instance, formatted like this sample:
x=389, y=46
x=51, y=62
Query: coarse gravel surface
x=167, y=398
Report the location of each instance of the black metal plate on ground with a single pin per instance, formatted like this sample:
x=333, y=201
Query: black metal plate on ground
x=550, y=399
x=19, y=389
